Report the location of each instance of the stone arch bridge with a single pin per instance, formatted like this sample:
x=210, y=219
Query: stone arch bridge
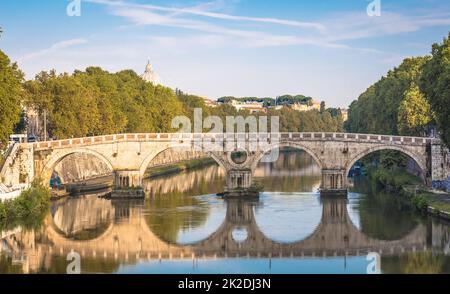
x=128, y=155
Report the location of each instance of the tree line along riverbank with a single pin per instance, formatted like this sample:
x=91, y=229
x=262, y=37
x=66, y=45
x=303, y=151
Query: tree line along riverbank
x=411, y=188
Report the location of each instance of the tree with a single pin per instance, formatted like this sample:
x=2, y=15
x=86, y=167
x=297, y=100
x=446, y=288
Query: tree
x=10, y=97
x=377, y=109
x=414, y=112
x=322, y=106
x=96, y=102
x=434, y=82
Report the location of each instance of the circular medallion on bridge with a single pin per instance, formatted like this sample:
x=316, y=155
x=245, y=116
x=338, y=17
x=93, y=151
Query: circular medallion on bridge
x=239, y=235
x=239, y=157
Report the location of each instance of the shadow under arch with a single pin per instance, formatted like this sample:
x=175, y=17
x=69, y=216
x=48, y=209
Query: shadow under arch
x=49, y=167
x=413, y=156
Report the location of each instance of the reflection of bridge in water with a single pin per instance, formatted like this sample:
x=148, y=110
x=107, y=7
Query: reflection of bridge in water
x=127, y=237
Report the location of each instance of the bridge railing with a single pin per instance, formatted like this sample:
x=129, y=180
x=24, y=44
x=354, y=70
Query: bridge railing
x=201, y=137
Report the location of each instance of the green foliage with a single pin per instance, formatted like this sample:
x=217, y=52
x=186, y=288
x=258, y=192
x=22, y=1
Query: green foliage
x=268, y=101
x=392, y=159
x=171, y=213
x=28, y=209
x=96, y=102
x=395, y=179
x=383, y=215
x=10, y=96
x=414, y=113
x=377, y=109
x=308, y=121
x=420, y=201
x=434, y=82
x=289, y=99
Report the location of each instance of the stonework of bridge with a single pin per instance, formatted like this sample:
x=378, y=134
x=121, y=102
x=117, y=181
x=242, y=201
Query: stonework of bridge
x=129, y=155
x=128, y=238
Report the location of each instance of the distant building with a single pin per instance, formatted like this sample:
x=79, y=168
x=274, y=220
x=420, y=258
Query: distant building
x=253, y=107
x=276, y=107
x=305, y=107
x=150, y=76
x=208, y=102
x=344, y=113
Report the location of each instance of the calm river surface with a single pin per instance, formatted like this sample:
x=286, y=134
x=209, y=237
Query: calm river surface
x=183, y=227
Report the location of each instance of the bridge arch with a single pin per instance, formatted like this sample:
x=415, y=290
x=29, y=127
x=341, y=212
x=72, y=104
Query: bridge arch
x=296, y=145
x=183, y=147
x=416, y=157
x=51, y=164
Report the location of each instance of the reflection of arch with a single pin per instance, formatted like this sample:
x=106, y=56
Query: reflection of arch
x=183, y=147
x=335, y=234
x=313, y=205
x=296, y=145
x=56, y=234
x=47, y=170
x=72, y=216
x=186, y=219
x=368, y=151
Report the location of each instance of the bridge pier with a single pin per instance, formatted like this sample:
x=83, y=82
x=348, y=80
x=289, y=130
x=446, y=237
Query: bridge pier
x=240, y=183
x=127, y=185
x=334, y=182
x=124, y=179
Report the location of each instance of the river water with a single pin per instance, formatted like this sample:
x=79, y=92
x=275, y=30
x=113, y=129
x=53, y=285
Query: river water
x=183, y=227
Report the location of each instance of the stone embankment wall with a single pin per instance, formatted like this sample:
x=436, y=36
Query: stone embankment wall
x=79, y=166
x=171, y=156
x=441, y=167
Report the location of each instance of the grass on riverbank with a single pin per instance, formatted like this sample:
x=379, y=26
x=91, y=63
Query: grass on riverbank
x=394, y=179
x=178, y=167
x=410, y=187
x=28, y=209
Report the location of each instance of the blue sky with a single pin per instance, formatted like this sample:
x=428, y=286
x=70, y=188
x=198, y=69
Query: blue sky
x=330, y=50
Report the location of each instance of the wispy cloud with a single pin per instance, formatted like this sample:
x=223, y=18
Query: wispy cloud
x=52, y=49
x=330, y=32
x=357, y=25
x=142, y=15
x=204, y=11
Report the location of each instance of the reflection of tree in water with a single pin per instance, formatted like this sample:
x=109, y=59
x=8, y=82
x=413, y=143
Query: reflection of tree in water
x=58, y=265
x=209, y=180
x=416, y=263
x=6, y=266
x=294, y=171
x=170, y=213
x=383, y=215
